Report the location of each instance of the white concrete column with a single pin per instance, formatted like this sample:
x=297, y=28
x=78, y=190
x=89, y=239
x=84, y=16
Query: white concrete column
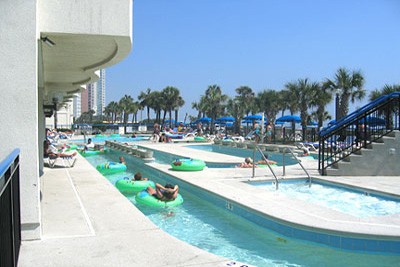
x=19, y=107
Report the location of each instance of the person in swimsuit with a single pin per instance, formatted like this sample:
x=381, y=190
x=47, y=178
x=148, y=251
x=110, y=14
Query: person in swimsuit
x=138, y=177
x=267, y=161
x=164, y=193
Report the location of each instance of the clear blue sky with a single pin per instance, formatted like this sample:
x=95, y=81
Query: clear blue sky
x=263, y=44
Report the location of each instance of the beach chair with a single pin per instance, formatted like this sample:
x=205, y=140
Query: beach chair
x=67, y=161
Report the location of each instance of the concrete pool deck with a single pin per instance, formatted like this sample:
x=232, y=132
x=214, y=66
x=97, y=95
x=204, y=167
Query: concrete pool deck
x=87, y=222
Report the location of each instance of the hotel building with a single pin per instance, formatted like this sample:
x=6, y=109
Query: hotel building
x=49, y=50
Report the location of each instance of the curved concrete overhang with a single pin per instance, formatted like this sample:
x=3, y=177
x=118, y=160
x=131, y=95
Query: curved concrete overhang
x=77, y=39
x=74, y=59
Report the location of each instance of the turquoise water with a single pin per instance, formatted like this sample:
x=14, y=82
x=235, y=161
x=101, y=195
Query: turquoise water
x=356, y=203
x=119, y=139
x=202, y=224
x=244, y=153
x=167, y=158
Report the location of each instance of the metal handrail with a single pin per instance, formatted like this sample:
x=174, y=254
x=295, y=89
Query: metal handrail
x=266, y=161
x=301, y=165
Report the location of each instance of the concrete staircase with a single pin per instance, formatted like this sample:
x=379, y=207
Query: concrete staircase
x=381, y=158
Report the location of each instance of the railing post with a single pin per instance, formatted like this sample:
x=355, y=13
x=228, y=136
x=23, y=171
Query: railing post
x=283, y=162
x=254, y=162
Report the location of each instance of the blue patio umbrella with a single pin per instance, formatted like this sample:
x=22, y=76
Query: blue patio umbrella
x=312, y=124
x=225, y=119
x=289, y=118
x=253, y=117
x=373, y=121
x=170, y=121
x=204, y=120
x=249, y=121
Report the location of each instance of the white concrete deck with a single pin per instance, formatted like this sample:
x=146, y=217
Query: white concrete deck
x=87, y=222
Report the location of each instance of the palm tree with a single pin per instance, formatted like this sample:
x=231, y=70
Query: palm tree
x=145, y=99
x=111, y=109
x=170, y=97
x=267, y=102
x=236, y=110
x=154, y=103
x=179, y=103
x=321, y=99
x=200, y=107
x=214, y=102
x=302, y=93
x=126, y=103
x=387, y=89
x=347, y=87
x=246, y=98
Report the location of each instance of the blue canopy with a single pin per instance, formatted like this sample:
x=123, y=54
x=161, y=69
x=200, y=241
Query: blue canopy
x=225, y=119
x=248, y=121
x=289, y=118
x=253, y=117
x=204, y=120
x=373, y=121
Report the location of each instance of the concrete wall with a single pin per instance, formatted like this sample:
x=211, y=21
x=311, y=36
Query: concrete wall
x=103, y=17
x=19, y=103
x=381, y=160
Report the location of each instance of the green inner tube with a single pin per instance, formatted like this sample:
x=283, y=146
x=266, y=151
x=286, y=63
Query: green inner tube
x=115, y=135
x=88, y=153
x=111, y=167
x=188, y=165
x=143, y=197
x=128, y=186
x=199, y=138
x=266, y=166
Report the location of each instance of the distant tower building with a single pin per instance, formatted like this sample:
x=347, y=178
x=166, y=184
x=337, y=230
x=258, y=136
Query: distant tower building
x=101, y=93
x=77, y=110
x=93, y=98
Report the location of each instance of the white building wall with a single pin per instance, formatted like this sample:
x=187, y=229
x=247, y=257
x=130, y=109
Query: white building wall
x=23, y=83
x=19, y=103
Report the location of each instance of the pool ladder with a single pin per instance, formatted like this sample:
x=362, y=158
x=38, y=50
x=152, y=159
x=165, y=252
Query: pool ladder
x=266, y=161
x=298, y=161
x=256, y=147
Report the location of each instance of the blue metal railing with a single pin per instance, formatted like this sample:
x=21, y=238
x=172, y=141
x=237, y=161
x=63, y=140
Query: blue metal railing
x=10, y=218
x=358, y=130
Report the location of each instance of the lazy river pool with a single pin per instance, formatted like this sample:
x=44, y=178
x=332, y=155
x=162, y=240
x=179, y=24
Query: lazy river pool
x=204, y=221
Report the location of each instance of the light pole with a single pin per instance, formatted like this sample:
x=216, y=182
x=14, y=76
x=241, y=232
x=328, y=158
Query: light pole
x=337, y=104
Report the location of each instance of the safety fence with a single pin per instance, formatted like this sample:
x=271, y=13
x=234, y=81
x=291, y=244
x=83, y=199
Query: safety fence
x=10, y=218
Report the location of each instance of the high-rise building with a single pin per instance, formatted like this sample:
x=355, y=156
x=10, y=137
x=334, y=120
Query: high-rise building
x=96, y=95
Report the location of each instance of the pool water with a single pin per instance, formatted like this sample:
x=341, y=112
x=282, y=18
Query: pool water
x=107, y=138
x=167, y=158
x=211, y=228
x=244, y=153
x=357, y=203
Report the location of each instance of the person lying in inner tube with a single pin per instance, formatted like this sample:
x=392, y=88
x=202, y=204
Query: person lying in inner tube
x=122, y=160
x=164, y=193
x=138, y=177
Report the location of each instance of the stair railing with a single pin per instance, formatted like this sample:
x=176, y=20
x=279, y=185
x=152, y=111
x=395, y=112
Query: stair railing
x=358, y=130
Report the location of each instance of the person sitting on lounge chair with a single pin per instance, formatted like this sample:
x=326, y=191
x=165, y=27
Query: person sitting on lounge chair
x=52, y=154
